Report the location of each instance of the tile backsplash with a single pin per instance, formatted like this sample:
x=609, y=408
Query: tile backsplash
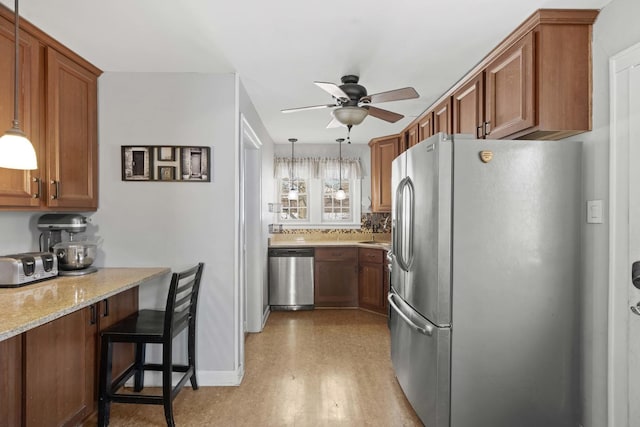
x=370, y=224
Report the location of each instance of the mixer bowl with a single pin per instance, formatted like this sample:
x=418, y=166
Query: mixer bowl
x=75, y=255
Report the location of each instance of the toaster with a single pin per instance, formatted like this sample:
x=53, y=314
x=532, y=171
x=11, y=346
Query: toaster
x=21, y=269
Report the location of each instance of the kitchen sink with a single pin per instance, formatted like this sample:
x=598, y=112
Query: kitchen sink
x=374, y=242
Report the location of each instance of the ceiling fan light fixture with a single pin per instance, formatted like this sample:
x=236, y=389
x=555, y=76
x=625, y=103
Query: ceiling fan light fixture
x=350, y=116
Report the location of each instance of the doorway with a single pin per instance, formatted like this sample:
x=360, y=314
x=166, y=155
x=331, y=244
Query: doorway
x=252, y=243
x=624, y=232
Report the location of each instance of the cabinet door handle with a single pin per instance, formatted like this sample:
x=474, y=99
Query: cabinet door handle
x=105, y=313
x=56, y=184
x=93, y=319
x=479, y=132
x=39, y=182
x=487, y=128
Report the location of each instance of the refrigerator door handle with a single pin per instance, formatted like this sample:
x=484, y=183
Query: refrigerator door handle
x=425, y=330
x=398, y=250
x=412, y=201
x=397, y=222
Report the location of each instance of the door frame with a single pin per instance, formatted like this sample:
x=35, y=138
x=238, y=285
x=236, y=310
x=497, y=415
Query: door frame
x=619, y=151
x=252, y=292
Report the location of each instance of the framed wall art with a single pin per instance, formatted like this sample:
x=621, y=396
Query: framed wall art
x=166, y=163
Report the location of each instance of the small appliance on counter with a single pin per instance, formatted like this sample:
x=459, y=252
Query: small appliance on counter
x=75, y=255
x=22, y=269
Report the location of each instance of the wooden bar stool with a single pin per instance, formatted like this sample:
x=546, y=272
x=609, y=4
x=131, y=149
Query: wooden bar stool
x=153, y=327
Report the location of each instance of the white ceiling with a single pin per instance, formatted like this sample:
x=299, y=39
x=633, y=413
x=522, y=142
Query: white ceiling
x=279, y=47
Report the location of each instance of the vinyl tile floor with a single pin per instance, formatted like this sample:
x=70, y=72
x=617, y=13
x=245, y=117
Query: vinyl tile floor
x=306, y=368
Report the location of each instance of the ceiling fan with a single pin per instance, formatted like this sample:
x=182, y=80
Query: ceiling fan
x=353, y=104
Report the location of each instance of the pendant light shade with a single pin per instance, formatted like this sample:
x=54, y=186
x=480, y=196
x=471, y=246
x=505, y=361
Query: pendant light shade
x=293, y=193
x=16, y=151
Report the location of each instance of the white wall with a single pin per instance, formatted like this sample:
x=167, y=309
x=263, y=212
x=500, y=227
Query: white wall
x=18, y=232
x=174, y=224
x=615, y=29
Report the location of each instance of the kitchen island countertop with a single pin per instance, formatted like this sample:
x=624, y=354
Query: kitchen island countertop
x=35, y=304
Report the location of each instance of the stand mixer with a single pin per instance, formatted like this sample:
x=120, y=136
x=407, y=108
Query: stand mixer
x=74, y=257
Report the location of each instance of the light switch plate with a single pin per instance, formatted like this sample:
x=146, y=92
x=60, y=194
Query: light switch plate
x=594, y=211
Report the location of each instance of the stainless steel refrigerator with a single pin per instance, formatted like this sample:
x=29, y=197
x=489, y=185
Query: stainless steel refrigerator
x=484, y=281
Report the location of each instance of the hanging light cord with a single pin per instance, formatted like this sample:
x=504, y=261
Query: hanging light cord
x=16, y=124
x=340, y=162
x=291, y=164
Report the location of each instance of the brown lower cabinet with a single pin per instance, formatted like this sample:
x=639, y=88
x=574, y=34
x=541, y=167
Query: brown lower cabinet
x=112, y=310
x=371, y=279
x=11, y=381
x=351, y=277
x=336, y=277
x=49, y=373
x=60, y=370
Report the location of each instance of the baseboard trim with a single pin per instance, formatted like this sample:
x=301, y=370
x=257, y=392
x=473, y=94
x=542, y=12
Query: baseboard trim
x=265, y=316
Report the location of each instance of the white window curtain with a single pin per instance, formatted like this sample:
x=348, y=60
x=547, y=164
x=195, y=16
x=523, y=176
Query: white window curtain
x=318, y=168
x=330, y=169
x=303, y=167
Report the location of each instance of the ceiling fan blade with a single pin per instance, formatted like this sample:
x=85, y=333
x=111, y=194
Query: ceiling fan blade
x=333, y=89
x=386, y=115
x=334, y=123
x=392, y=95
x=312, y=107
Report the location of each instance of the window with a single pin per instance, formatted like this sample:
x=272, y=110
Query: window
x=317, y=181
x=334, y=210
x=317, y=206
x=293, y=210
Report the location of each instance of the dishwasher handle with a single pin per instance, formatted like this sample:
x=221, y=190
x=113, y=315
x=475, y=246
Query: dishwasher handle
x=291, y=252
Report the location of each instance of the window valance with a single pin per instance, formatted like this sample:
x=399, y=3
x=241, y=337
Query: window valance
x=318, y=168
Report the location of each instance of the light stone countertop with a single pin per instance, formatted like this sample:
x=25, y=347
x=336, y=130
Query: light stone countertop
x=315, y=243
x=35, y=304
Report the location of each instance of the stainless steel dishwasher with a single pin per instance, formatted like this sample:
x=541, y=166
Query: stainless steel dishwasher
x=291, y=278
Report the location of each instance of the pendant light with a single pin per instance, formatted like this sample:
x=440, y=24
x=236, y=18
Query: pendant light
x=340, y=194
x=16, y=151
x=293, y=193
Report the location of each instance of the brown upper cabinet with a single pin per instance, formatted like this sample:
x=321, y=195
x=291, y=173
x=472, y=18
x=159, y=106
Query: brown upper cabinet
x=17, y=187
x=425, y=126
x=58, y=112
x=72, y=134
x=411, y=136
x=468, y=107
x=536, y=84
x=442, y=117
x=383, y=151
x=509, y=98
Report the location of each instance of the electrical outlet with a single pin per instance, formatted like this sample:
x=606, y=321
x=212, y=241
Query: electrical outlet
x=594, y=213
